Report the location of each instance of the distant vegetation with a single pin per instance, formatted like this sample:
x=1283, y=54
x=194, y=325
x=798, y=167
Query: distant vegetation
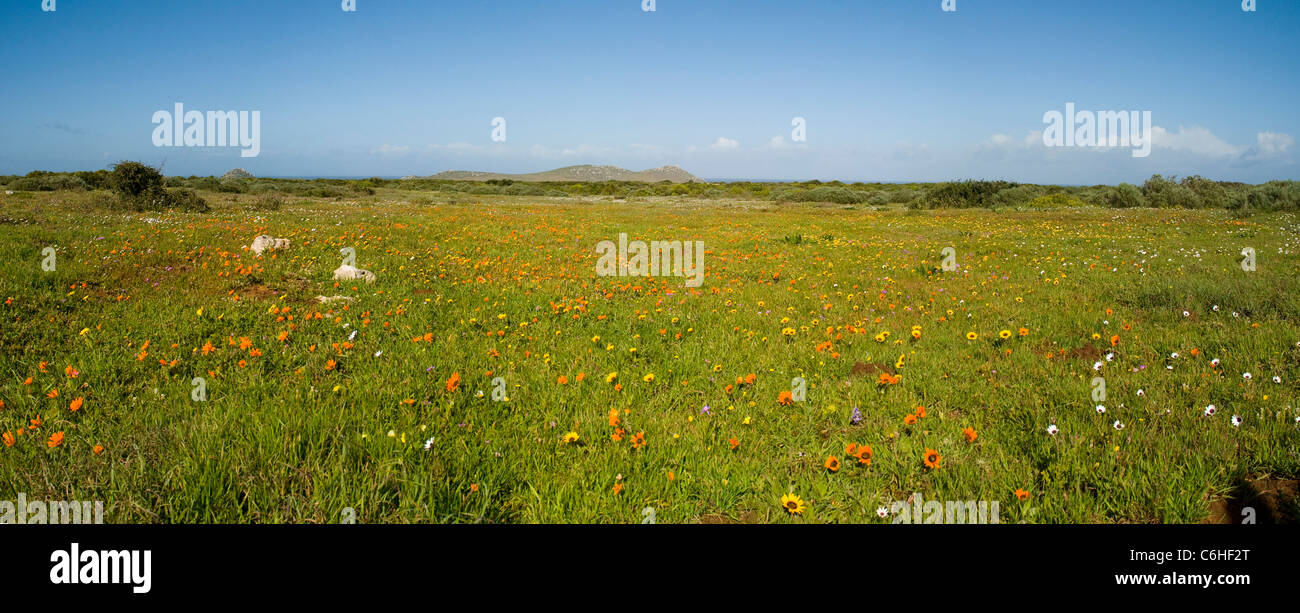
x=181, y=193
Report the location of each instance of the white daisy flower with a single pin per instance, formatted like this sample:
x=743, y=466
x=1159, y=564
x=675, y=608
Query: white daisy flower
x=1210, y=410
x=882, y=512
x=1245, y=376
x=1277, y=379
x=353, y=335
x=1052, y=429
x=1186, y=314
x=428, y=444
x=1117, y=425
x=1236, y=421
x=1101, y=408
x=1110, y=357
x=1214, y=362
x=1141, y=393
x=1097, y=366
x=1216, y=308
x=1174, y=355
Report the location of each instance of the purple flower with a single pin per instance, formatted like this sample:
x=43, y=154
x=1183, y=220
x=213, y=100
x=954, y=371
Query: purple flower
x=856, y=418
x=705, y=410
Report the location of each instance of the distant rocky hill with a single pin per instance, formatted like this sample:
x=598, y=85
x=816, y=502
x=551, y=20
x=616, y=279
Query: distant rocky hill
x=586, y=172
x=238, y=173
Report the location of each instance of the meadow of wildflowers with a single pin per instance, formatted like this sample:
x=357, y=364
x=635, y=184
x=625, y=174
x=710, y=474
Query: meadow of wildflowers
x=490, y=375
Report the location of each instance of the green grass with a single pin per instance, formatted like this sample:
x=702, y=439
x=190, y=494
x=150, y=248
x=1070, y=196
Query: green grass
x=506, y=285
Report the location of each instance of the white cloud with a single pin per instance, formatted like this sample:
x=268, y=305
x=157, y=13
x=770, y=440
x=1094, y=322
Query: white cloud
x=1196, y=140
x=390, y=150
x=725, y=143
x=1271, y=144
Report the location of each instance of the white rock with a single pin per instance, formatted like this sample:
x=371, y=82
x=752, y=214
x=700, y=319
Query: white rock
x=267, y=243
x=348, y=273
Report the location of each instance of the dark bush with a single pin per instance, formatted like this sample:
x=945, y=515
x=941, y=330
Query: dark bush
x=1124, y=196
x=133, y=179
x=964, y=194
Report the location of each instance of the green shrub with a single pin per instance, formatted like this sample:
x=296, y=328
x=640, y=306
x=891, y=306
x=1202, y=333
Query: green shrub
x=964, y=194
x=48, y=182
x=1124, y=196
x=133, y=180
x=838, y=195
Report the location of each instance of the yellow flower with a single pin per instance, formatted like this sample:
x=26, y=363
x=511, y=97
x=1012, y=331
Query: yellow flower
x=649, y=377
x=611, y=376
x=1005, y=334
x=970, y=336
x=792, y=504
x=571, y=437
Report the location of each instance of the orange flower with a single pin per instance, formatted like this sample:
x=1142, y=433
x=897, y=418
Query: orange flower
x=750, y=378
x=785, y=398
x=563, y=380
x=864, y=454
x=920, y=412
x=76, y=404
x=832, y=464
x=932, y=458
x=613, y=418
x=1021, y=494
x=851, y=449
x=208, y=348
x=734, y=443
x=970, y=434
x=8, y=438
x=618, y=487
x=909, y=420
x=617, y=436
x=56, y=439
x=453, y=383
x=638, y=441
x=98, y=449
x=54, y=393
x=1114, y=340
x=330, y=365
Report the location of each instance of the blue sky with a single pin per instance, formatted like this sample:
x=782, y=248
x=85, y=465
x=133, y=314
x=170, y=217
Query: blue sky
x=891, y=90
